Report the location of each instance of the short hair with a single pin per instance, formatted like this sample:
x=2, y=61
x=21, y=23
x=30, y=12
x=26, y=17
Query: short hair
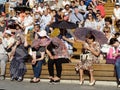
x=90, y=36
x=108, y=19
x=113, y=41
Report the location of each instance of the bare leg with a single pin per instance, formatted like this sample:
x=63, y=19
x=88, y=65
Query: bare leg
x=91, y=76
x=92, y=80
x=81, y=76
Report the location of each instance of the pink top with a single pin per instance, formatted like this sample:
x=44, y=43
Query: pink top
x=111, y=52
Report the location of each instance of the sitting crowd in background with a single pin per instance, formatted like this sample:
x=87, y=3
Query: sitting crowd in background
x=33, y=33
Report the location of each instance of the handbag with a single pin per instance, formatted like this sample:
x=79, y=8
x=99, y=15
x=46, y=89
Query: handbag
x=105, y=48
x=85, y=57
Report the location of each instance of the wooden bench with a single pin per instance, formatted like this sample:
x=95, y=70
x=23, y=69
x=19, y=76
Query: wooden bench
x=102, y=72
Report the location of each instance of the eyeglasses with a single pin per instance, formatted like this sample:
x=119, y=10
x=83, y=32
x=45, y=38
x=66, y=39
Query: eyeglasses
x=89, y=15
x=106, y=31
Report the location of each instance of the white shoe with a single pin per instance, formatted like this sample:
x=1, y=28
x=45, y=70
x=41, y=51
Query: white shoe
x=118, y=86
x=81, y=82
x=92, y=83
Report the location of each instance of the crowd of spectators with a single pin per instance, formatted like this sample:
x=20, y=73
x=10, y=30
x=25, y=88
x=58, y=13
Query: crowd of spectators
x=19, y=33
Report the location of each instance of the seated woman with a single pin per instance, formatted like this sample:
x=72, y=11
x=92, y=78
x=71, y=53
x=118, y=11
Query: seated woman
x=57, y=53
x=17, y=65
x=114, y=54
x=92, y=51
x=38, y=54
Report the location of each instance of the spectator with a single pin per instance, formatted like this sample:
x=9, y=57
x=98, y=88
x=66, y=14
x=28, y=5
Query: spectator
x=10, y=40
x=57, y=53
x=17, y=65
x=92, y=49
x=108, y=23
x=3, y=57
x=101, y=8
x=114, y=56
x=108, y=33
x=67, y=9
x=82, y=7
x=28, y=22
x=90, y=22
x=42, y=8
x=45, y=21
x=100, y=22
x=116, y=13
x=38, y=54
x=76, y=17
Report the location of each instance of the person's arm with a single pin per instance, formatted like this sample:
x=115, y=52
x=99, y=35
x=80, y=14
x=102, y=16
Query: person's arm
x=33, y=57
x=94, y=50
x=25, y=43
x=42, y=56
x=49, y=54
x=68, y=40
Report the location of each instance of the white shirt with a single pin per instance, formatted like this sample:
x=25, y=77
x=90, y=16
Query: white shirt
x=41, y=9
x=90, y=24
x=117, y=13
x=45, y=20
x=28, y=20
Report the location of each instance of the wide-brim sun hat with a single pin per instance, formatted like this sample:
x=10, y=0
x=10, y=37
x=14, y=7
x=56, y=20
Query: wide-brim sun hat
x=117, y=4
x=43, y=33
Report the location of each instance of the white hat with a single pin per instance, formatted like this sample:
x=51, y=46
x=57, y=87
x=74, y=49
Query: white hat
x=43, y=33
x=8, y=32
x=117, y=4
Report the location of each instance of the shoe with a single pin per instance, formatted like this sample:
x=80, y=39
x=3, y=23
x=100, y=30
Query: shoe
x=118, y=84
x=51, y=81
x=56, y=81
x=81, y=82
x=92, y=83
x=20, y=79
x=2, y=77
x=12, y=79
x=34, y=81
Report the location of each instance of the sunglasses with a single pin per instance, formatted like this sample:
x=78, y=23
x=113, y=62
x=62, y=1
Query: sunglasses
x=106, y=31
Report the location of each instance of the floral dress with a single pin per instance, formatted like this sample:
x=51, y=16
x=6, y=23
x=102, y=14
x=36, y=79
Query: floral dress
x=87, y=62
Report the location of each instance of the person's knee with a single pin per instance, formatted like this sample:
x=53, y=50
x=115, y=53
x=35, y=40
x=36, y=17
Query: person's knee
x=117, y=64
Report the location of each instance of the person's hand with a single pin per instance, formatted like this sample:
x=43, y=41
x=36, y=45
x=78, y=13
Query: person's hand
x=51, y=57
x=56, y=57
x=115, y=54
x=33, y=62
x=17, y=43
x=63, y=37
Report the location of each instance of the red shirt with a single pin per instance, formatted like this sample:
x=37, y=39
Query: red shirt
x=102, y=9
